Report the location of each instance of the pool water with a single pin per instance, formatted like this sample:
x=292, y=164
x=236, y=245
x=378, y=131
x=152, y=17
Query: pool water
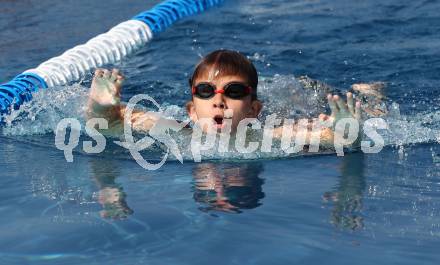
x=105, y=209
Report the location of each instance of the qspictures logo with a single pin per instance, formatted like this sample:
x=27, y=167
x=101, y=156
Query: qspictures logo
x=206, y=136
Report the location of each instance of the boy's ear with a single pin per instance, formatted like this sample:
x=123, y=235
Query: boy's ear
x=256, y=107
x=190, y=108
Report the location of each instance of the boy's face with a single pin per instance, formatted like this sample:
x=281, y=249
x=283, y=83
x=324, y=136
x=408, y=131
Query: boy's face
x=219, y=106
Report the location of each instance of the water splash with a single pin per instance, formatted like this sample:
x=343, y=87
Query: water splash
x=48, y=107
x=281, y=94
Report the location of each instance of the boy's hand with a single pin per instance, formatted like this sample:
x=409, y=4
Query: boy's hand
x=106, y=87
x=341, y=110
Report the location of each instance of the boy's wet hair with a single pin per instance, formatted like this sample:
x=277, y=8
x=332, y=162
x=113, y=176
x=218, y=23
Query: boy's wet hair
x=228, y=62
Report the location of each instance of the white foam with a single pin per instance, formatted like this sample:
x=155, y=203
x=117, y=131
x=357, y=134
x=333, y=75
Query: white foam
x=282, y=95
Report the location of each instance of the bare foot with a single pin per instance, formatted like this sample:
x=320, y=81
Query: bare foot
x=372, y=98
x=106, y=87
x=372, y=89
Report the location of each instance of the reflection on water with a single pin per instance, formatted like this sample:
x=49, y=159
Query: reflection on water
x=111, y=195
x=228, y=187
x=347, y=199
x=233, y=187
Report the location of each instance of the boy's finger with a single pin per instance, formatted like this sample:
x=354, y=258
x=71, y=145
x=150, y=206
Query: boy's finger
x=350, y=102
x=310, y=124
x=120, y=75
x=99, y=72
x=325, y=120
x=340, y=103
x=119, y=80
x=357, y=112
x=323, y=117
x=106, y=73
x=114, y=75
x=332, y=105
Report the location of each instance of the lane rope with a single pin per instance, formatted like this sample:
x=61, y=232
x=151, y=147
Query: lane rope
x=107, y=48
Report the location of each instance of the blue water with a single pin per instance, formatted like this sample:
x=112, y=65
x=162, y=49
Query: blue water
x=358, y=209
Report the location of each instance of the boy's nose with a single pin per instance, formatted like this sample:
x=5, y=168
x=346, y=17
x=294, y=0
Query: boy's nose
x=218, y=101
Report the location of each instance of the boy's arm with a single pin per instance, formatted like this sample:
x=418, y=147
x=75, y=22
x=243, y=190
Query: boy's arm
x=326, y=135
x=140, y=120
x=104, y=102
x=105, y=96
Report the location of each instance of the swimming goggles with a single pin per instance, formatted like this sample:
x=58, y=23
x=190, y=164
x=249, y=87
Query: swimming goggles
x=233, y=90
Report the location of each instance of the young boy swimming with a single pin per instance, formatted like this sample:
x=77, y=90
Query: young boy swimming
x=223, y=85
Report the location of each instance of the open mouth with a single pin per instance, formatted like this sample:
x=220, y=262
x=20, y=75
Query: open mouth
x=218, y=120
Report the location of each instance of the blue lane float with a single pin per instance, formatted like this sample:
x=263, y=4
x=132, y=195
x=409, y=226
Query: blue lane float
x=110, y=47
x=164, y=15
